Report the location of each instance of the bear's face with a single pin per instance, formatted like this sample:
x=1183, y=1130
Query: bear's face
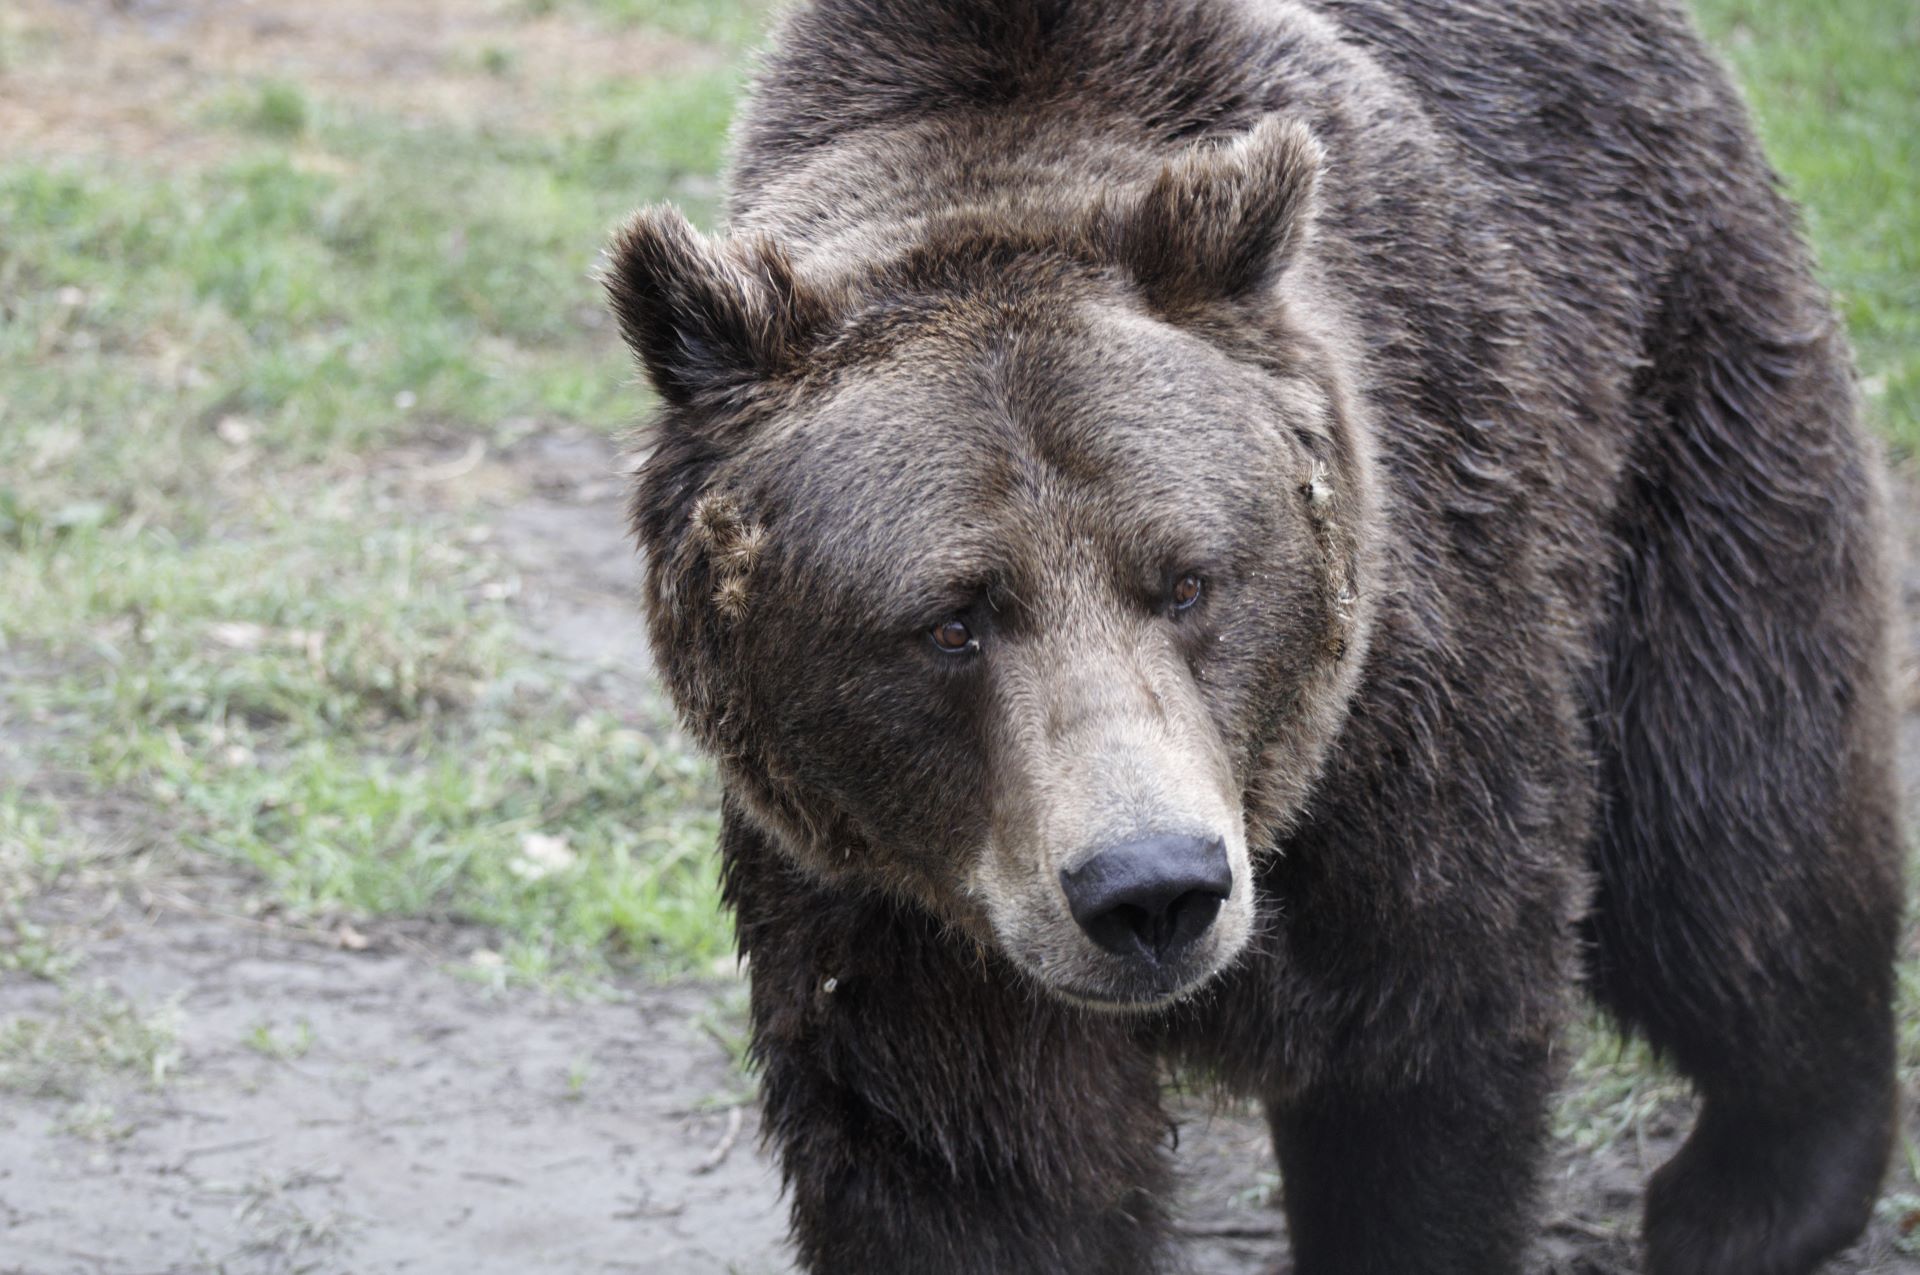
x=1015, y=599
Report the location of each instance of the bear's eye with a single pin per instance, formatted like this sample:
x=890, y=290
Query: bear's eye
x=1186, y=592
x=953, y=637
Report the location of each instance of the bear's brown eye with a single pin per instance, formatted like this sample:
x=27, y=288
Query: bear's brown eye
x=953, y=636
x=1186, y=592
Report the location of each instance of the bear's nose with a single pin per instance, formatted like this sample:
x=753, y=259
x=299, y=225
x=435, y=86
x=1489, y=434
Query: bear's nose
x=1151, y=897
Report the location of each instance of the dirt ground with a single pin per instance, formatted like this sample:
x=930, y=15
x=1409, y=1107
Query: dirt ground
x=384, y=1106
x=115, y=76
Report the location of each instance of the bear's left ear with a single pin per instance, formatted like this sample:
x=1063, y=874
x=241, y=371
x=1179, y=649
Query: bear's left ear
x=707, y=318
x=1222, y=221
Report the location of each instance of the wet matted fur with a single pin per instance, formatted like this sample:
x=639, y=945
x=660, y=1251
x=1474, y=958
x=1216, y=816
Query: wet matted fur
x=1458, y=370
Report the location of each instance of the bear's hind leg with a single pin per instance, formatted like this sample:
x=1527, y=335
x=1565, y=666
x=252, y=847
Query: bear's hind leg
x=1769, y=1191
x=1748, y=876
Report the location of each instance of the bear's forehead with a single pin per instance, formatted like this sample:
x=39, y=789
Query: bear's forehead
x=973, y=457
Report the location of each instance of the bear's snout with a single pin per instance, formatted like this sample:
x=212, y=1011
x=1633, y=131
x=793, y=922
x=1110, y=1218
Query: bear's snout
x=1152, y=897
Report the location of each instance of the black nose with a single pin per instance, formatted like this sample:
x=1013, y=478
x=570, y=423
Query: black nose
x=1151, y=897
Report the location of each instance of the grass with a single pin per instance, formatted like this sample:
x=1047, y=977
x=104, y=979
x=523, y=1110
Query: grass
x=290, y=1045
x=727, y=22
x=33, y=852
x=238, y=617
x=96, y=1035
x=241, y=623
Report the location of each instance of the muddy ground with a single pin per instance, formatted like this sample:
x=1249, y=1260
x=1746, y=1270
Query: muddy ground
x=348, y=1101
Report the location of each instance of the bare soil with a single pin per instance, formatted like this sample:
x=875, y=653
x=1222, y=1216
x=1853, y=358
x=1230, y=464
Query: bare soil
x=375, y=1102
x=117, y=77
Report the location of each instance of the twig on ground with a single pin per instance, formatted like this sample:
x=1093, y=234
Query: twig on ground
x=1580, y=1226
x=459, y=467
x=736, y=1118
x=221, y=1148
x=495, y=1179
x=1230, y=1230
x=152, y=901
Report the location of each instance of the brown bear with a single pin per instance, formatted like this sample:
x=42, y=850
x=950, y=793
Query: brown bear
x=1282, y=538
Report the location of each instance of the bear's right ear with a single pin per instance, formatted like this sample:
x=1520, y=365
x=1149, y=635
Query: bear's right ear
x=708, y=320
x=1223, y=220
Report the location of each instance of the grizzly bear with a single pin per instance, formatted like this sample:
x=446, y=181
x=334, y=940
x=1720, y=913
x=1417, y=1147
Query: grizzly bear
x=1282, y=539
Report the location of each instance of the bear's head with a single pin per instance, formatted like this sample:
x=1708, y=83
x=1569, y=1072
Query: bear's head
x=1018, y=570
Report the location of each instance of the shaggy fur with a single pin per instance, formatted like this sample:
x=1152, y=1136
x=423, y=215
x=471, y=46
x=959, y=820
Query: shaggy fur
x=1470, y=354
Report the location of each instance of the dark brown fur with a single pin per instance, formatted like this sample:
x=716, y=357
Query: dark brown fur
x=1473, y=351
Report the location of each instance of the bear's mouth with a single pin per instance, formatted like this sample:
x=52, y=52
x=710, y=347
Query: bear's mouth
x=1105, y=1003
x=1113, y=984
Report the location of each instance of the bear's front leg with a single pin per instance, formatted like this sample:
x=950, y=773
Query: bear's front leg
x=933, y=1115
x=1431, y=1177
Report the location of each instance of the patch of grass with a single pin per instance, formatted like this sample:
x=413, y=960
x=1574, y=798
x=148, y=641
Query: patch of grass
x=1900, y=1212
x=96, y=1122
x=1613, y=1089
x=345, y=713
x=1909, y=992
x=279, y=110
x=443, y=831
x=29, y=845
x=579, y=1075
x=32, y=852
x=356, y=286
x=97, y=1035
x=283, y=1046
x=726, y=22
x=309, y=625
x=27, y=948
x=336, y=326
x=1833, y=88
x=286, y=663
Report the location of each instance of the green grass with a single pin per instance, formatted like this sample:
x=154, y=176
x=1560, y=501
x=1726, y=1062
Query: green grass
x=34, y=853
x=1614, y=1089
x=289, y=1045
x=723, y=23
x=96, y=1035
x=232, y=620
x=331, y=292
